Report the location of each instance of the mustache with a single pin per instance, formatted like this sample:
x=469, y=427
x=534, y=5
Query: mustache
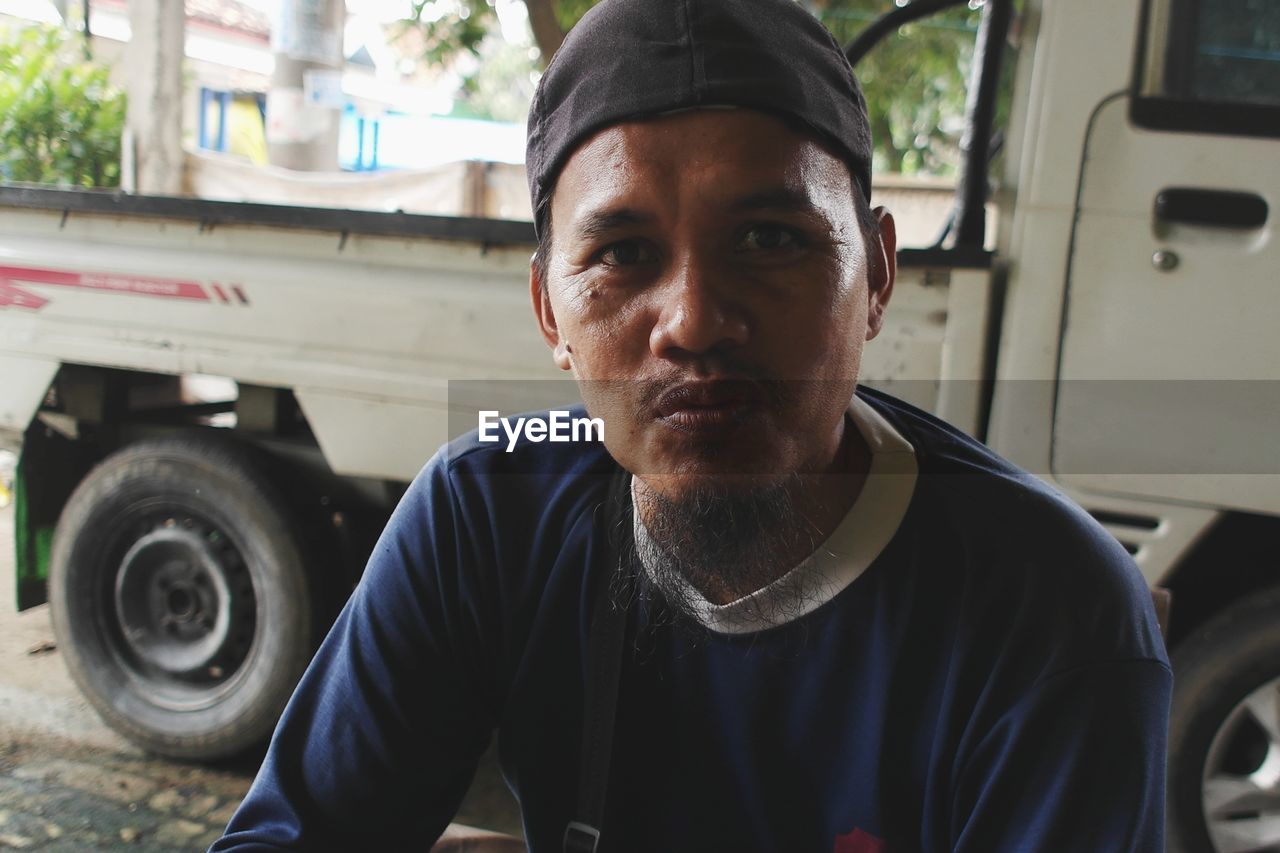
x=730, y=376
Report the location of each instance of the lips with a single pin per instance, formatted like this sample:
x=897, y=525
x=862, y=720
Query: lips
x=708, y=407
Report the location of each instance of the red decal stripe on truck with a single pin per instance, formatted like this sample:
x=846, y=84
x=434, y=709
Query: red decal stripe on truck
x=11, y=295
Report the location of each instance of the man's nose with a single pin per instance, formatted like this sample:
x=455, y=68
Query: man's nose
x=699, y=313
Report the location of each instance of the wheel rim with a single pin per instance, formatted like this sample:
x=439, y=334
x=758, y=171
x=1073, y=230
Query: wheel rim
x=180, y=613
x=1240, y=791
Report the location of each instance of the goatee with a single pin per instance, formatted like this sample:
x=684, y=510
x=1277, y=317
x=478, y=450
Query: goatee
x=710, y=546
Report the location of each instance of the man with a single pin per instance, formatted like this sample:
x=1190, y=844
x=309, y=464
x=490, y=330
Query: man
x=850, y=626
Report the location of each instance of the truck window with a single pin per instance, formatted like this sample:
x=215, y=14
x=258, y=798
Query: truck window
x=1210, y=66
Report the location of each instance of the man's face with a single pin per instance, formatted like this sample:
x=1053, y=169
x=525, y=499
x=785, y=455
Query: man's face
x=709, y=286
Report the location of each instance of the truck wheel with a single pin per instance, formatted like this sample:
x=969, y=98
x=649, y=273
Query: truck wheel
x=1224, y=733
x=180, y=596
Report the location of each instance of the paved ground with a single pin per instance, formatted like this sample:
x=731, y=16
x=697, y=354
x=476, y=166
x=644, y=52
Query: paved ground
x=68, y=783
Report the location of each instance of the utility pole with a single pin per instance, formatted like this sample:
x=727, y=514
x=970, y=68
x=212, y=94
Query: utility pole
x=304, y=103
x=153, y=157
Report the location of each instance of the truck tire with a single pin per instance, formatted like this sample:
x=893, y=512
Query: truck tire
x=180, y=596
x=1224, y=732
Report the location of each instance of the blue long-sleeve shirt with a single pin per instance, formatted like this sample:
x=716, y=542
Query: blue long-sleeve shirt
x=991, y=678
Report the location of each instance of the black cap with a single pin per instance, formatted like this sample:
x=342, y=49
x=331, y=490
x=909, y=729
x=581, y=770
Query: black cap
x=629, y=59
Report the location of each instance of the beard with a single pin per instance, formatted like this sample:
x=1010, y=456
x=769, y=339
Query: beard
x=709, y=545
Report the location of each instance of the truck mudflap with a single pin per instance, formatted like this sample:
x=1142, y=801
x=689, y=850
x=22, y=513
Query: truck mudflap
x=31, y=544
x=26, y=382
x=49, y=467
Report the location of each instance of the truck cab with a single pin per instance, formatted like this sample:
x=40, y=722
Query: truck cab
x=1136, y=367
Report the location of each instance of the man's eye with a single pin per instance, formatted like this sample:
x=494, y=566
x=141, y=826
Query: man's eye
x=625, y=253
x=768, y=237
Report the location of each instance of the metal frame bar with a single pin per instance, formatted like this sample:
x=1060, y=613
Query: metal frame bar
x=890, y=21
x=980, y=116
x=980, y=109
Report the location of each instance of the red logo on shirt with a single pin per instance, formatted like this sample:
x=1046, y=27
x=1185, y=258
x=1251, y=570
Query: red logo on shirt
x=858, y=842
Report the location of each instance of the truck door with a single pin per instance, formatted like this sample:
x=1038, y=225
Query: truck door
x=1169, y=370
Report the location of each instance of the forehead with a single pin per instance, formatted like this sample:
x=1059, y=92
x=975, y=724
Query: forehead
x=711, y=155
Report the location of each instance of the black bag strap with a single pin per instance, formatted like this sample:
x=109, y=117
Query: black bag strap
x=606, y=643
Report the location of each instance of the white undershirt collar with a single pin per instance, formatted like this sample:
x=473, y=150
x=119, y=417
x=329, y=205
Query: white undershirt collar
x=850, y=549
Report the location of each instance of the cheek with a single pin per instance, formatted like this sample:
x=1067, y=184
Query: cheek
x=849, y=312
x=847, y=339
x=821, y=332
x=603, y=331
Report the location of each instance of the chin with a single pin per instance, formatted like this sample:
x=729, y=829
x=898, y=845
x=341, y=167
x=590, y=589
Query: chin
x=699, y=482
x=674, y=463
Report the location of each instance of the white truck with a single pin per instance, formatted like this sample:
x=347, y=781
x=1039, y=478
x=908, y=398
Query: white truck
x=1120, y=341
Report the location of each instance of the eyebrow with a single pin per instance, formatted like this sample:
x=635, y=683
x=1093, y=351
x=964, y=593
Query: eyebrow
x=601, y=222
x=783, y=199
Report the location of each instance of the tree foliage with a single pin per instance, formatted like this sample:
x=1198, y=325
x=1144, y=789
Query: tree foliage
x=914, y=80
x=61, y=120
x=450, y=27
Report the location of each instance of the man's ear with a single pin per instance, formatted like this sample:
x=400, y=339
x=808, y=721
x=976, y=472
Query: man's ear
x=547, y=320
x=882, y=270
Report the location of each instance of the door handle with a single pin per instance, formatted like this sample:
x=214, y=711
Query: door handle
x=1219, y=208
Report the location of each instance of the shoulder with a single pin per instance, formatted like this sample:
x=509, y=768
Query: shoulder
x=490, y=510
x=1025, y=562
x=562, y=440
x=484, y=539
x=520, y=480
x=499, y=518
x=997, y=507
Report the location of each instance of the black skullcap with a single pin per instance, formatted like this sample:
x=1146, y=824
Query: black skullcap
x=633, y=58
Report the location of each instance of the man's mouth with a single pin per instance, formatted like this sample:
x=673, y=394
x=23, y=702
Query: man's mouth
x=707, y=408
